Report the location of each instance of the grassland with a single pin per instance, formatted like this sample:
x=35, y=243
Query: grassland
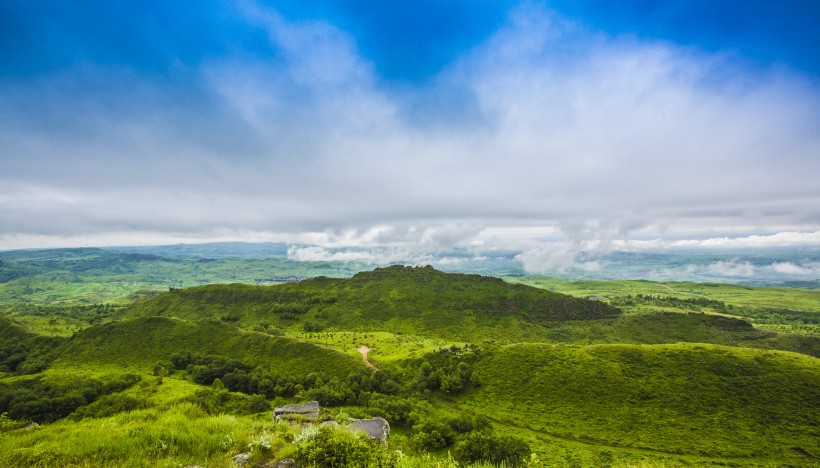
x=742, y=296
x=114, y=344
x=385, y=347
x=753, y=407
x=677, y=374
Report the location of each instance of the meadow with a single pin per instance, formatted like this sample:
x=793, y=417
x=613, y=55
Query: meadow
x=469, y=371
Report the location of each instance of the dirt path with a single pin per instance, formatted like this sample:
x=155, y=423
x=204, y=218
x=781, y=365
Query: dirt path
x=364, y=350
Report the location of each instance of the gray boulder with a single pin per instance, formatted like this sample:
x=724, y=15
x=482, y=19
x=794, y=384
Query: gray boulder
x=241, y=459
x=375, y=428
x=297, y=412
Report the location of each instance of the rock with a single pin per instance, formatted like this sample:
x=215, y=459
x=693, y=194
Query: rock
x=286, y=463
x=298, y=412
x=375, y=428
x=241, y=459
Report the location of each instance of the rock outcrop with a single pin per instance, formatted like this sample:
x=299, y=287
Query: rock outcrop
x=375, y=428
x=241, y=459
x=307, y=412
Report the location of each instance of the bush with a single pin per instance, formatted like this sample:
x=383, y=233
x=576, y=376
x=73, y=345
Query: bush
x=432, y=434
x=342, y=448
x=109, y=405
x=482, y=447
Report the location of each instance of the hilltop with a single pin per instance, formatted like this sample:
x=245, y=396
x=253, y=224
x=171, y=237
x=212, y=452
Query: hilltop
x=418, y=300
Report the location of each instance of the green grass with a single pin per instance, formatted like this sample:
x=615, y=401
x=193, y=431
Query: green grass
x=140, y=343
x=750, y=406
x=413, y=301
x=774, y=297
x=582, y=384
x=675, y=327
x=181, y=435
x=89, y=276
x=798, y=299
x=385, y=347
x=49, y=326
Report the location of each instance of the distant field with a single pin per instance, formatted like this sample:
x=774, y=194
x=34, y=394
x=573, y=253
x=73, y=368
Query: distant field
x=776, y=309
x=774, y=297
x=89, y=276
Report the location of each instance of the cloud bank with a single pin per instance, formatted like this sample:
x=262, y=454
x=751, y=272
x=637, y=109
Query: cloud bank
x=545, y=127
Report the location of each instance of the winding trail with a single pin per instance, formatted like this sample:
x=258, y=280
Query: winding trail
x=364, y=350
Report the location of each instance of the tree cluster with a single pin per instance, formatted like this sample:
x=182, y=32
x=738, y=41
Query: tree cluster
x=41, y=401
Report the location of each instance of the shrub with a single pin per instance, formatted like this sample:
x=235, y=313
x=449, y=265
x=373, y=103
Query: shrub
x=109, y=405
x=432, y=434
x=342, y=448
x=482, y=447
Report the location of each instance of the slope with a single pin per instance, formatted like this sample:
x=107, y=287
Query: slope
x=399, y=299
x=21, y=351
x=140, y=343
x=699, y=400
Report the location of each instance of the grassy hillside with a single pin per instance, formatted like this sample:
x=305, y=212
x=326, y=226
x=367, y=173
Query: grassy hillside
x=140, y=343
x=399, y=299
x=577, y=380
x=23, y=352
x=424, y=302
x=701, y=400
x=675, y=327
x=759, y=304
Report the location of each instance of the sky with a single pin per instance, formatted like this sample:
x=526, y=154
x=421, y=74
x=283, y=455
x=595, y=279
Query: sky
x=547, y=128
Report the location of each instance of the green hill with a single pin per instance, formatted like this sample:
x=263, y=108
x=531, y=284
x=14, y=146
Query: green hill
x=140, y=343
x=21, y=351
x=673, y=327
x=699, y=400
x=399, y=299
x=583, y=385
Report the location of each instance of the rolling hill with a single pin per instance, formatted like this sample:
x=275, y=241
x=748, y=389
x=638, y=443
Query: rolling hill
x=418, y=300
x=142, y=342
x=751, y=406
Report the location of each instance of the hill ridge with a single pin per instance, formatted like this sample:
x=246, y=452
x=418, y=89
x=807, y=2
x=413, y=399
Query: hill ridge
x=396, y=298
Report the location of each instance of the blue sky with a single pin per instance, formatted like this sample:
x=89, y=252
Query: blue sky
x=427, y=125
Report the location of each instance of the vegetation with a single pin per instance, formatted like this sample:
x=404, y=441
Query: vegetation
x=45, y=400
x=400, y=299
x=141, y=343
x=90, y=276
x=468, y=370
x=22, y=352
x=730, y=402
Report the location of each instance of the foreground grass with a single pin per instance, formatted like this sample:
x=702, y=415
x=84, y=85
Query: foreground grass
x=184, y=434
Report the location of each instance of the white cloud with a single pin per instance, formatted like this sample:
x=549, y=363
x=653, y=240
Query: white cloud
x=781, y=239
x=573, y=137
x=789, y=268
x=320, y=254
x=556, y=258
x=732, y=268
